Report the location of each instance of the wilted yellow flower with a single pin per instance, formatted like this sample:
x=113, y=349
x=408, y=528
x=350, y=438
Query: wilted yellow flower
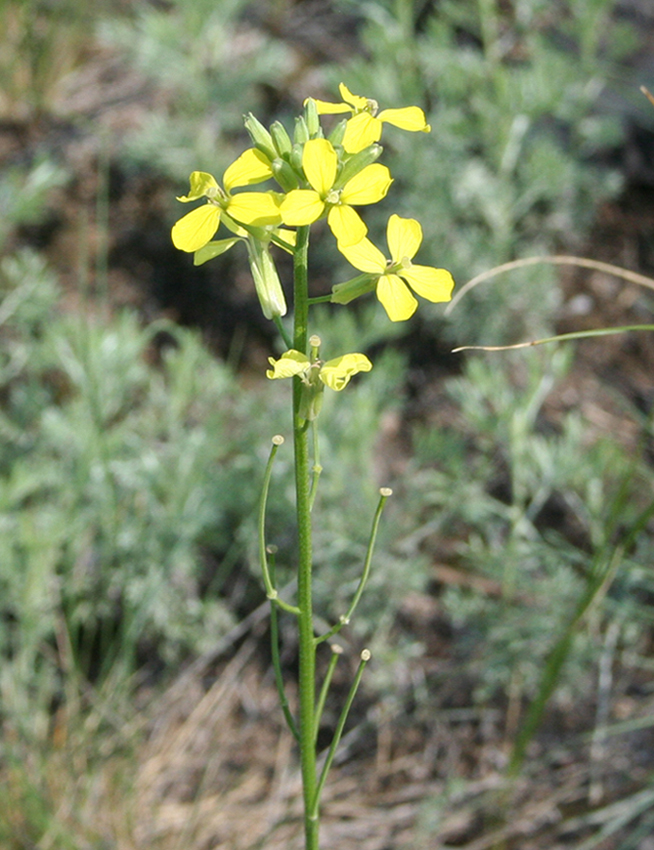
x=334, y=373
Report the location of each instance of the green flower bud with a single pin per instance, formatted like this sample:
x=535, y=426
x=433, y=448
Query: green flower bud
x=343, y=293
x=266, y=279
x=284, y=174
x=296, y=158
x=301, y=134
x=281, y=139
x=336, y=135
x=357, y=162
x=312, y=120
x=260, y=136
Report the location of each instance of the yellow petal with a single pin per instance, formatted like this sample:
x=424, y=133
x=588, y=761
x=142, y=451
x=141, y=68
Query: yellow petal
x=356, y=100
x=368, y=186
x=320, y=162
x=255, y=208
x=291, y=363
x=301, y=206
x=324, y=107
x=404, y=236
x=336, y=373
x=251, y=167
x=396, y=298
x=346, y=225
x=430, y=283
x=201, y=183
x=410, y=118
x=196, y=228
x=364, y=256
x=360, y=131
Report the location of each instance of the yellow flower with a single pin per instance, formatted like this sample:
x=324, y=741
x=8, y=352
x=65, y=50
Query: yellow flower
x=404, y=236
x=320, y=165
x=335, y=373
x=258, y=209
x=365, y=126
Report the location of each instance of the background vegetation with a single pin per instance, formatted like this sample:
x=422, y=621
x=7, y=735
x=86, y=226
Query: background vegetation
x=510, y=612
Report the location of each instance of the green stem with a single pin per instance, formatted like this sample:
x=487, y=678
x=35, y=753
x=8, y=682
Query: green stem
x=317, y=468
x=282, y=332
x=307, y=663
x=320, y=299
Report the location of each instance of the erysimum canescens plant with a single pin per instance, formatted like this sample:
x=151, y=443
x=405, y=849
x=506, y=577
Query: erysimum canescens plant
x=319, y=178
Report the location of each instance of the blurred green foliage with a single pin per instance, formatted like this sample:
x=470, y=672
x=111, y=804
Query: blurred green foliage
x=510, y=168
x=540, y=510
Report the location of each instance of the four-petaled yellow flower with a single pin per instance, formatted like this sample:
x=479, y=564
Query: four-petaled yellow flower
x=365, y=126
x=257, y=209
x=404, y=236
x=320, y=165
x=334, y=373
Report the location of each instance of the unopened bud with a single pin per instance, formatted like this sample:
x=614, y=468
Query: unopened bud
x=281, y=139
x=312, y=119
x=337, y=134
x=301, y=134
x=296, y=158
x=260, y=136
x=284, y=174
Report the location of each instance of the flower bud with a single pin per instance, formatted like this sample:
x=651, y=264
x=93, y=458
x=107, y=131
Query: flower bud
x=266, y=280
x=337, y=134
x=260, y=136
x=284, y=174
x=357, y=162
x=281, y=139
x=311, y=118
x=301, y=134
x=296, y=158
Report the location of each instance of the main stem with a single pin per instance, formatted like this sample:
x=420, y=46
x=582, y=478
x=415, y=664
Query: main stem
x=307, y=671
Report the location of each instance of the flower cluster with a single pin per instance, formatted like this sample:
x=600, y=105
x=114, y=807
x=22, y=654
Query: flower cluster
x=318, y=177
